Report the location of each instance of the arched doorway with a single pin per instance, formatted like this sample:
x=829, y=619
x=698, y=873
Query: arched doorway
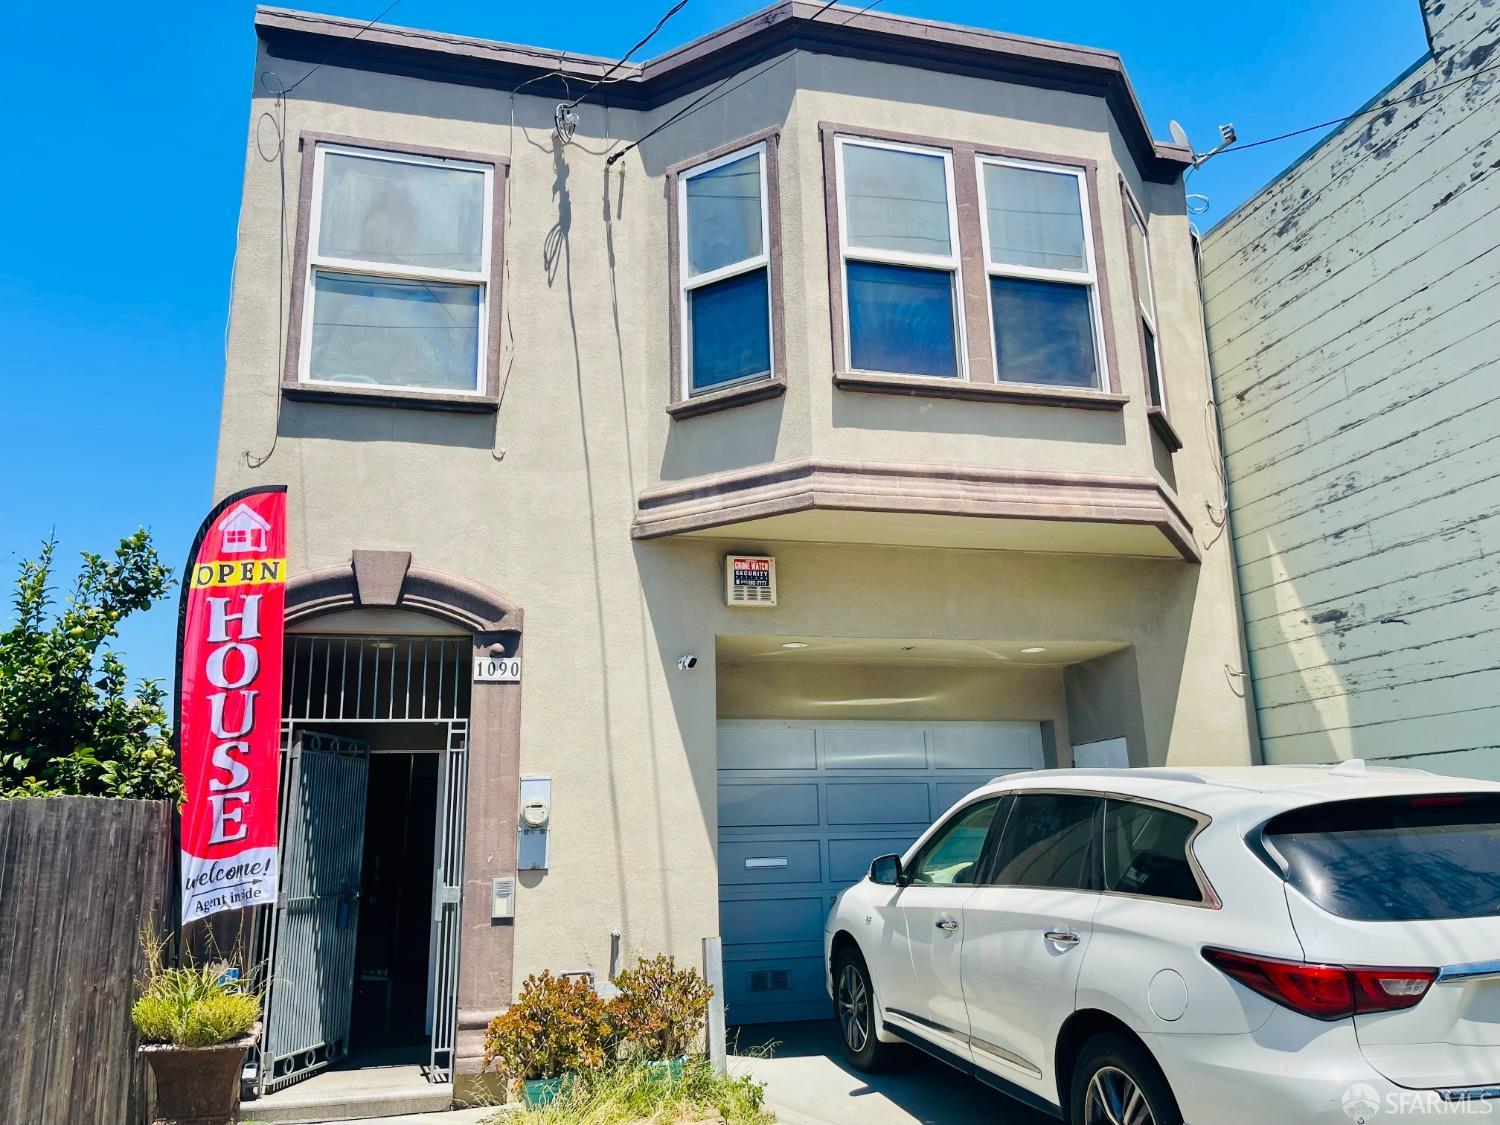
x=399, y=788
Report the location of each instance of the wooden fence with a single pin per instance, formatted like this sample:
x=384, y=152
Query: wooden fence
x=79, y=878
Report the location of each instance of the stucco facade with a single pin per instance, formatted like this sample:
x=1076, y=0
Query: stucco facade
x=923, y=539
x=1351, y=313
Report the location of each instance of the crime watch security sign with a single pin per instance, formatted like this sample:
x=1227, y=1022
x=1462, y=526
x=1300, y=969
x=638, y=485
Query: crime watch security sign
x=749, y=580
x=229, y=703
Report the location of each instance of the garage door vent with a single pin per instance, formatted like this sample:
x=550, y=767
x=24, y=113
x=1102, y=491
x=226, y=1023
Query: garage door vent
x=770, y=980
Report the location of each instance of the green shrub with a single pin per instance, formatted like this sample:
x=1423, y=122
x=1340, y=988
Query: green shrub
x=189, y=1005
x=660, y=1009
x=557, y=1025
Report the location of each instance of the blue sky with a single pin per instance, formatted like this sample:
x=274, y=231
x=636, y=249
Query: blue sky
x=127, y=130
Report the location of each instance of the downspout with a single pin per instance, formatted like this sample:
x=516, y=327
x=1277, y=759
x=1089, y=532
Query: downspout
x=1247, y=661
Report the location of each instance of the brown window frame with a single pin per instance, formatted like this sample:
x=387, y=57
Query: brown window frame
x=681, y=402
x=293, y=387
x=980, y=381
x=1156, y=397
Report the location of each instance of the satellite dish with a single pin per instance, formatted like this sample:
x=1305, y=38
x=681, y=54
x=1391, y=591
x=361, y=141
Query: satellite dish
x=1179, y=135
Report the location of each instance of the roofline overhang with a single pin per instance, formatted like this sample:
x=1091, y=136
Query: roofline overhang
x=900, y=40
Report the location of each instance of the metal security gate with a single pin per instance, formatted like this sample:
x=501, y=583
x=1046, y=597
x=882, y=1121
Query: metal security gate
x=332, y=681
x=316, y=916
x=447, y=898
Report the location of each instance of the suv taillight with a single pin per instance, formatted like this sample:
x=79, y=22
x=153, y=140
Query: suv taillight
x=1324, y=992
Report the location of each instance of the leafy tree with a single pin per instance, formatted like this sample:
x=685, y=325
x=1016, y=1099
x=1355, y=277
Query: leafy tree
x=69, y=722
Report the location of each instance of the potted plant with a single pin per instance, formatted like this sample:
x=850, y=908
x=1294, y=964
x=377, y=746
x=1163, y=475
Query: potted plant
x=658, y=1011
x=196, y=1028
x=557, y=1027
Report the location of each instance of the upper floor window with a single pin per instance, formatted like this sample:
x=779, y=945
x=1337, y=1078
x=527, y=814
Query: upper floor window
x=1043, y=281
x=398, y=281
x=725, y=271
x=1145, y=298
x=898, y=239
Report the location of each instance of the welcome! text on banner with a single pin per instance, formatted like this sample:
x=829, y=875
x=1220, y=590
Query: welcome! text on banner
x=229, y=703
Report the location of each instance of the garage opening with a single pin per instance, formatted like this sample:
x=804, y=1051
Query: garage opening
x=833, y=751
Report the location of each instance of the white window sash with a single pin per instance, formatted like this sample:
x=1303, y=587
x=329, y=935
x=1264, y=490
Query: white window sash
x=1088, y=277
x=951, y=263
x=319, y=263
x=686, y=284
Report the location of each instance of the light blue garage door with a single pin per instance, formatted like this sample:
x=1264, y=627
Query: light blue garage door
x=803, y=808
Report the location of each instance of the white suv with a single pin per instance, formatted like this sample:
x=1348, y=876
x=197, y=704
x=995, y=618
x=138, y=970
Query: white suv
x=1219, y=946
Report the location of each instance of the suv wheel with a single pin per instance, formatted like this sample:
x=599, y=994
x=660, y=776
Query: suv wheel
x=854, y=1008
x=1116, y=1082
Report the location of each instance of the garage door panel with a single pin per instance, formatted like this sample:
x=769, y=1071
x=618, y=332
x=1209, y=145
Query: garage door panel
x=826, y=800
x=888, y=748
x=764, y=920
x=767, y=748
x=879, y=802
x=768, y=804
x=998, y=746
x=748, y=863
x=849, y=860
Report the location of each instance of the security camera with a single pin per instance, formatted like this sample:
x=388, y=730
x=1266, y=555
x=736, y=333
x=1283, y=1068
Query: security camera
x=686, y=663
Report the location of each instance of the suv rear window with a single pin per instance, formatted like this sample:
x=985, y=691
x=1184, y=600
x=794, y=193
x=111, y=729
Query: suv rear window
x=1395, y=859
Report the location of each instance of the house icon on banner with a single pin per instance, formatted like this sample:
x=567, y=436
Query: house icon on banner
x=243, y=530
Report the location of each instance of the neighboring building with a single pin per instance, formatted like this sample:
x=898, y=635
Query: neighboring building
x=1353, y=311
x=497, y=372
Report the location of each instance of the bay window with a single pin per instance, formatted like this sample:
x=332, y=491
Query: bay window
x=1043, y=284
x=1145, y=300
x=396, y=292
x=724, y=272
x=898, y=241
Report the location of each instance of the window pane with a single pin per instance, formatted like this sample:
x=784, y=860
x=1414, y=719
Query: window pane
x=896, y=200
x=901, y=320
x=1035, y=218
x=1046, y=842
x=1145, y=852
x=1153, y=370
x=730, y=329
x=723, y=216
x=1396, y=859
x=395, y=333
x=1139, y=262
x=401, y=214
x=952, y=856
x=1044, y=332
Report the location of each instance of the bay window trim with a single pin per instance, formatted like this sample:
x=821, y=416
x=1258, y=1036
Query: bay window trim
x=682, y=400
x=1089, y=277
x=312, y=146
x=973, y=301
x=1145, y=312
x=951, y=263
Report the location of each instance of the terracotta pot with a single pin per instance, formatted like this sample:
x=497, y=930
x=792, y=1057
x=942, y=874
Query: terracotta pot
x=197, y=1085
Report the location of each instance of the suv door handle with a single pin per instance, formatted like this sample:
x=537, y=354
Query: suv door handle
x=1063, y=937
x=947, y=924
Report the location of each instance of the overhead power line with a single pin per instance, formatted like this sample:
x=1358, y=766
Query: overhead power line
x=328, y=58
x=650, y=35
x=718, y=91
x=1356, y=115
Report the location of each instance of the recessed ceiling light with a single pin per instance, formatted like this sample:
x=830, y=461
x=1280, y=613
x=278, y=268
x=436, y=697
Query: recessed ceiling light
x=908, y=648
x=793, y=644
x=1032, y=651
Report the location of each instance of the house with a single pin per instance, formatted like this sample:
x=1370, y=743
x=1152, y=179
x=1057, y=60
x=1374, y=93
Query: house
x=732, y=457
x=1351, y=308
x=243, y=530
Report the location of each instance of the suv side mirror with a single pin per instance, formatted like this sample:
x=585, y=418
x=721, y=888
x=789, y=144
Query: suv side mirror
x=886, y=870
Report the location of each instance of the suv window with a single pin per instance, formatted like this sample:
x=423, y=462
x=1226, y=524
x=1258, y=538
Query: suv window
x=1047, y=842
x=951, y=857
x=1395, y=859
x=1145, y=852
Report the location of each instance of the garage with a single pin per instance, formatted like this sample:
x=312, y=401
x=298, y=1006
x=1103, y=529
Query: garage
x=803, y=808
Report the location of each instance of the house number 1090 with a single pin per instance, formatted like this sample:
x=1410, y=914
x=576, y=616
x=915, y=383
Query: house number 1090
x=497, y=669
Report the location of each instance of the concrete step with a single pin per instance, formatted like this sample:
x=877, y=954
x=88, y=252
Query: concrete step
x=288, y=1106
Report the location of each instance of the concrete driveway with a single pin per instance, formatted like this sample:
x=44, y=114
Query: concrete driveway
x=808, y=1083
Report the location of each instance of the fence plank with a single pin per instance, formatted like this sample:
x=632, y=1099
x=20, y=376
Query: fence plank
x=79, y=879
